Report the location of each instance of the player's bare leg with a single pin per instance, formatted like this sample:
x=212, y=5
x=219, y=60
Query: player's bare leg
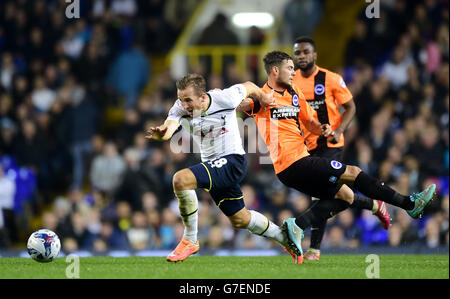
x=260, y=225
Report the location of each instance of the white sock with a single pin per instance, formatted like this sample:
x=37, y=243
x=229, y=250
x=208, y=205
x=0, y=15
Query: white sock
x=188, y=206
x=262, y=226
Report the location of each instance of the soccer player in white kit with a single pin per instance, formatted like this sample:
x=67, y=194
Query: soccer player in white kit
x=212, y=116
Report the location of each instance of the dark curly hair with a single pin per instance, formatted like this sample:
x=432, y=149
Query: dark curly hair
x=274, y=58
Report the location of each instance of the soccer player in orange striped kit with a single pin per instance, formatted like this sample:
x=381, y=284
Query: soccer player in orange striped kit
x=326, y=91
x=324, y=178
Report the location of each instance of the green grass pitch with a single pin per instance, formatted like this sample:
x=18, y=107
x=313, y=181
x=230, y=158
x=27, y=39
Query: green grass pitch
x=231, y=267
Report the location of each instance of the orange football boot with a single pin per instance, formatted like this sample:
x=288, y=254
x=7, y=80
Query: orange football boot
x=184, y=249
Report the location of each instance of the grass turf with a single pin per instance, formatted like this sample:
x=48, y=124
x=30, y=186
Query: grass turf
x=214, y=267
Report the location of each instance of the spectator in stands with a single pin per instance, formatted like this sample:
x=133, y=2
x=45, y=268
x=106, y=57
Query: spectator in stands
x=7, y=71
x=215, y=240
x=352, y=232
x=79, y=121
x=72, y=45
x=277, y=199
x=37, y=48
x=28, y=147
x=206, y=217
x=301, y=17
x=127, y=130
x=177, y=13
x=2, y=39
x=50, y=221
x=92, y=69
x=396, y=69
x=432, y=237
x=155, y=176
x=149, y=202
x=370, y=229
x=167, y=229
x=109, y=238
x=132, y=185
x=218, y=33
x=42, y=96
x=129, y=73
x=123, y=219
x=300, y=202
x=7, y=220
x=126, y=8
x=335, y=238
x=140, y=235
x=359, y=48
x=78, y=230
x=107, y=170
x=7, y=135
x=428, y=151
x=444, y=226
x=364, y=157
x=403, y=231
x=159, y=37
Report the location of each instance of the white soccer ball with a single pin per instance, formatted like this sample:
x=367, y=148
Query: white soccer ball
x=43, y=245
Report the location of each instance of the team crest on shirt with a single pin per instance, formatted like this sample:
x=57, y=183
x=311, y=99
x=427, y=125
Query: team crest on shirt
x=319, y=89
x=336, y=165
x=295, y=100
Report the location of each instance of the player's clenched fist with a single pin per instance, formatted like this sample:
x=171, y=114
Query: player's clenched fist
x=267, y=99
x=326, y=130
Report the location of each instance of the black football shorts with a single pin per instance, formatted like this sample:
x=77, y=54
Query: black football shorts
x=315, y=176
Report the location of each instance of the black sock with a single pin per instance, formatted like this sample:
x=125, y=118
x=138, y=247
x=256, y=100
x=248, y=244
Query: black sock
x=317, y=231
x=374, y=188
x=320, y=211
x=305, y=219
x=361, y=202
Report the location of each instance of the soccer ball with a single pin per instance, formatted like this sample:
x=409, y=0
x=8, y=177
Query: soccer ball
x=43, y=245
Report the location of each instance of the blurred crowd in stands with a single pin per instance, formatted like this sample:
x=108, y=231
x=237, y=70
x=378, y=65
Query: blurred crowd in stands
x=70, y=164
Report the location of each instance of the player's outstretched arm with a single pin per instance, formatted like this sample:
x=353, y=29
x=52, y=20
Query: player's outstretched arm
x=163, y=132
x=254, y=91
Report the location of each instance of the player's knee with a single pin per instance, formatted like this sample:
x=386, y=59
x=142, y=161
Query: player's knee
x=179, y=181
x=238, y=223
x=346, y=194
x=240, y=219
x=352, y=172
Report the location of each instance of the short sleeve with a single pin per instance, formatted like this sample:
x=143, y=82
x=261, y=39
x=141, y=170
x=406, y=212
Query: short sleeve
x=229, y=97
x=177, y=111
x=340, y=90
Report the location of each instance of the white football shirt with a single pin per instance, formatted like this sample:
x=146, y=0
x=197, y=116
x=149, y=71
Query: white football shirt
x=216, y=131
